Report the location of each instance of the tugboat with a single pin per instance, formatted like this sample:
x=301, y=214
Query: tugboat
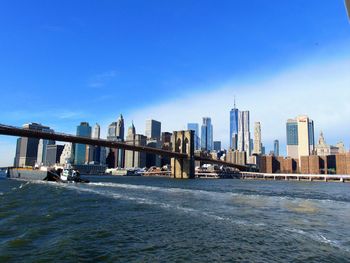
x=70, y=175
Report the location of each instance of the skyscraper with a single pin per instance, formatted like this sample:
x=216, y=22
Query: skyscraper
x=207, y=134
x=27, y=148
x=233, y=127
x=95, y=151
x=83, y=130
x=120, y=128
x=276, y=148
x=195, y=127
x=96, y=131
x=67, y=155
x=300, y=137
x=153, y=129
x=42, y=148
x=133, y=158
x=257, y=138
x=53, y=154
x=217, y=146
x=244, y=132
x=116, y=133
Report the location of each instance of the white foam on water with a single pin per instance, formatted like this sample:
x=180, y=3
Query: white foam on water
x=319, y=238
x=223, y=195
x=167, y=206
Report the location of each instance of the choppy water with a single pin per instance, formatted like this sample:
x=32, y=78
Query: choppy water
x=123, y=219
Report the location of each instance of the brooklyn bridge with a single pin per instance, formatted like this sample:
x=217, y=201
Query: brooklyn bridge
x=182, y=157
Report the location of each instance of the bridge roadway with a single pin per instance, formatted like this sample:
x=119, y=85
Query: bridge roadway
x=21, y=132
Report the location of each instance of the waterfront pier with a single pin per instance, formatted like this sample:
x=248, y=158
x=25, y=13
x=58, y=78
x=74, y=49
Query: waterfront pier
x=296, y=177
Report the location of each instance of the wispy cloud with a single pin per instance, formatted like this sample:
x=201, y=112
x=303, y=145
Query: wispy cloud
x=100, y=80
x=73, y=115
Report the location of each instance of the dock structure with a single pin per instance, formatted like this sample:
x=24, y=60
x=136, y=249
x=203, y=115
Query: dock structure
x=296, y=177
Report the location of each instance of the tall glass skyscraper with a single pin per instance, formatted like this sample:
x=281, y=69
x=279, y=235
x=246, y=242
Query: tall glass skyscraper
x=244, y=142
x=233, y=128
x=276, y=148
x=195, y=127
x=83, y=130
x=207, y=135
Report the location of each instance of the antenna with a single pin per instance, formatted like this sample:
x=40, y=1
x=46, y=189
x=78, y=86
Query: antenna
x=234, y=101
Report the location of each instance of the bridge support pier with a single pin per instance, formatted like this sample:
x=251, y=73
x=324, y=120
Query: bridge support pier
x=183, y=142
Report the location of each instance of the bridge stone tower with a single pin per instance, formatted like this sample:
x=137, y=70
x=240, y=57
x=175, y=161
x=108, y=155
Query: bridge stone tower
x=183, y=142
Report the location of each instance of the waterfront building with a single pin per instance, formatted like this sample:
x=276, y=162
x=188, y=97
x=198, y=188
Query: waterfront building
x=195, y=127
x=300, y=137
x=234, y=127
x=244, y=142
x=207, y=135
x=53, y=154
x=217, y=146
x=276, y=148
x=153, y=129
x=257, y=139
x=67, y=155
x=83, y=130
x=133, y=158
x=27, y=148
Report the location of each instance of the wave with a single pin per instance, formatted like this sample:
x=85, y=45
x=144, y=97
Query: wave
x=319, y=238
x=162, y=205
x=216, y=194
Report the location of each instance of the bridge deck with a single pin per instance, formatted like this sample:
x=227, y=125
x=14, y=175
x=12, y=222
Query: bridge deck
x=21, y=132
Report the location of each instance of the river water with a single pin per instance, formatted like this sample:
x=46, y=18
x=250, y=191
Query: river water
x=135, y=219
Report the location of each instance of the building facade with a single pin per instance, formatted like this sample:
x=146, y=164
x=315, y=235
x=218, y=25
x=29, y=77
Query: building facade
x=217, y=146
x=257, y=145
x=244, y=142
x=276, y=148
x=207, y=135
x=300, y=137
x=53, y=154
x=67, y=155
x=153, y=129
x=115, y=157
x=27, y=148
x=132, y=158
x=195, y=127
x=233, y=128
x=81, y=150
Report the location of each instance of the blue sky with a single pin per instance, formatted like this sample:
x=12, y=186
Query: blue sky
x=62, y=62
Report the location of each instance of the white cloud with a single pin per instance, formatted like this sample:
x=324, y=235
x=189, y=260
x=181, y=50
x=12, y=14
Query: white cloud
x=320, y=90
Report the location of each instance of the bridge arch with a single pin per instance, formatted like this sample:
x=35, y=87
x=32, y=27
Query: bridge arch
x=183, y=142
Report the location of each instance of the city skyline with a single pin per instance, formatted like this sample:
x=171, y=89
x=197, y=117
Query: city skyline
x=285, y=78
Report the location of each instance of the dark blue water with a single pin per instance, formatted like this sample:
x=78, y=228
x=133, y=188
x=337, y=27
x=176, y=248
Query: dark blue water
x=137, y=219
